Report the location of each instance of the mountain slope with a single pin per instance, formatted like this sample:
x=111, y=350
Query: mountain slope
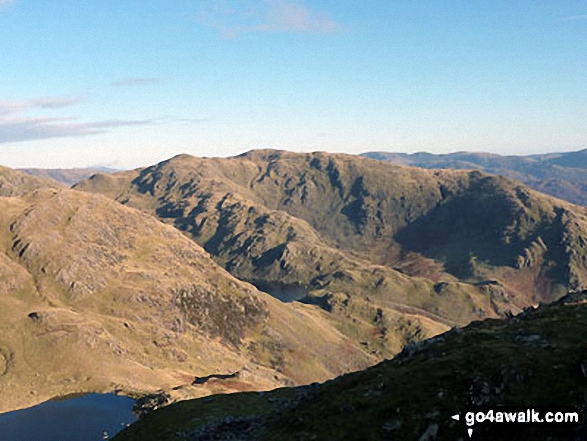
x=96, y=296
x=17, y=183
x=563, y=175
x=395, y=254
x=533, y=360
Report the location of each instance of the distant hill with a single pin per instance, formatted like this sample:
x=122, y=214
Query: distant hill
x=17, y=183
x=535, y=360
x=67, y=176
x=563, y=175
x=96, y=296
x=393, y=254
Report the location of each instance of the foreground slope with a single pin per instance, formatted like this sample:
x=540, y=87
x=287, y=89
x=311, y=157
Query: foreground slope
x=535, y=359
x=95, y=296
x=563, y=175
x=395, y=254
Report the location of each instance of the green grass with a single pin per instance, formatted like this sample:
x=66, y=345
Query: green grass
x=401, y=398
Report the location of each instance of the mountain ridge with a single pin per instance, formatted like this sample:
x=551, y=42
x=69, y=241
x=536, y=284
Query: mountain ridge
x=350, y=230
x=66, y=176
x=563, y=175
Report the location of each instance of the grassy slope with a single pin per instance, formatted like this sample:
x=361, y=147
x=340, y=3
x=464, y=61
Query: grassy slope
x=96, y=296
x=535, y=359
x=429, y=249
x=17, y=183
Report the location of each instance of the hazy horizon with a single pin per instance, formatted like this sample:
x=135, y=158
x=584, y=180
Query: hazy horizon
x=129, y=84
x=113, y=168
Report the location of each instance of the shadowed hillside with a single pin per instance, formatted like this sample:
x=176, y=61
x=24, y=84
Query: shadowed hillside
x=394, y=254
x=534, y=360
x=96, y=296
x=563, y=175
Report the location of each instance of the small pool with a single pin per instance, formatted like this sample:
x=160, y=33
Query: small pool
x=286, y=292
x=91, y=417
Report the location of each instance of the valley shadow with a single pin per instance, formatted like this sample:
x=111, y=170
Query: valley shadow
x=478, y=228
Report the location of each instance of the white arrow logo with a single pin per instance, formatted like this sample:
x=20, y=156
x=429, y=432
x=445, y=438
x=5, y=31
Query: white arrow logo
x=457, y=417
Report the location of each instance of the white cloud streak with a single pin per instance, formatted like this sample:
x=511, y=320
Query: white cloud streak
x=15, y=128
x=11, y=107
x=233, y=18
x=25, y=129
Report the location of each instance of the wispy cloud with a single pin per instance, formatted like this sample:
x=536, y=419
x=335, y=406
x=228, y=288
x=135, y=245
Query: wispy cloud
x=232, y=17
x=14, y=127
x=25, y=129
x=135, y=82
x=11, y=107
x=6, y=2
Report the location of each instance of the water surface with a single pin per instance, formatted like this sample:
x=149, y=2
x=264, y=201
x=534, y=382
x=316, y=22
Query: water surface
x=286, y=292
x=91, y=417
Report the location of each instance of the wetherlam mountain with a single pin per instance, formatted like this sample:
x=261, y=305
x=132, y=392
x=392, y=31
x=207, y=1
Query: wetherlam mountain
x=96, y=296
x=563, y=175
x=393, y=254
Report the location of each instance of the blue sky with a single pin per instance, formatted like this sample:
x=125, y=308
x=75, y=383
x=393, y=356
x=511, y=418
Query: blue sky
x=129, y=83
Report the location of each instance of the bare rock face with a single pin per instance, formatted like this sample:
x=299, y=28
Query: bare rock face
x=4, y=359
